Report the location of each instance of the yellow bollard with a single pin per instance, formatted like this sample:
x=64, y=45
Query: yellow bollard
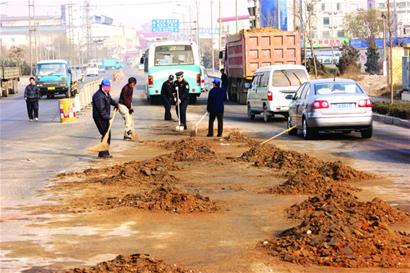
x=67, y=110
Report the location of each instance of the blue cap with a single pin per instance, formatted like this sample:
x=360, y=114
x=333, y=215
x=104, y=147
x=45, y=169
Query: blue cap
x=217, y=81
x=105, y=83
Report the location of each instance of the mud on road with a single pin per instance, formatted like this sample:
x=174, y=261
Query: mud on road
x=224, y=197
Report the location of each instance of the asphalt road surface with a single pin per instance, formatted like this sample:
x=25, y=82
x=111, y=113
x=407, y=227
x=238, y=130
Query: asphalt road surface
x=33, y=152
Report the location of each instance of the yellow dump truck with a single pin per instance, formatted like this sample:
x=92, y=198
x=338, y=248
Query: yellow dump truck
x=9, y=78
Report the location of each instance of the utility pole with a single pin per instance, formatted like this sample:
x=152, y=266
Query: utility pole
x=212, y=36
x=278, y=12
x=236, y=16
x=32, y=34
x=197, y=24
x=257, y=17
x=390, y=74
x=219, y=31
x=384, y=45
x=88, y=30
x=295, y=14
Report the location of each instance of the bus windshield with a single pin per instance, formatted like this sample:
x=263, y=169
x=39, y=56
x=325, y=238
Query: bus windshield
x=51, y=69
x=173, y=55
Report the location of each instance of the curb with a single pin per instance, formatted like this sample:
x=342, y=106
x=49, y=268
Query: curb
x=391, y=120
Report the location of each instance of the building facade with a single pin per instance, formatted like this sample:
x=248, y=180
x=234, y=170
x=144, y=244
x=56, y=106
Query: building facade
x=400, y=10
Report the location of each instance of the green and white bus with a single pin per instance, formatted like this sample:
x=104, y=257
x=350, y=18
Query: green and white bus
x=165, y=58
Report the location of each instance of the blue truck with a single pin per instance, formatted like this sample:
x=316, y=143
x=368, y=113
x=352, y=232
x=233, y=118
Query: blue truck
x=112, y=64
x=57, y=77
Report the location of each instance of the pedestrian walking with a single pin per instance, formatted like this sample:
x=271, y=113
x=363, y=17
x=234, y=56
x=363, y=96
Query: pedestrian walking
x=125, y=107
x=102, y=102
x=167, y=97
x=181, y=97
x=32, y=96
x=215, y=107
x=225, y=84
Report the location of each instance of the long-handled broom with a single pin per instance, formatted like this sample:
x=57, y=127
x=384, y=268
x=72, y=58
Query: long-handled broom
x=194, y=132
x=103, y=145
x=179, y=127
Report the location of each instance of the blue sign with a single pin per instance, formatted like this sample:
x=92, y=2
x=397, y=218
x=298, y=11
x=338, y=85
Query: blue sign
x=269, y=10
x=165, y=25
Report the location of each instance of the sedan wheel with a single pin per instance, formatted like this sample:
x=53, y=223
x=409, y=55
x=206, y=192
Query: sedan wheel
x=367, y=133
x=308, y=133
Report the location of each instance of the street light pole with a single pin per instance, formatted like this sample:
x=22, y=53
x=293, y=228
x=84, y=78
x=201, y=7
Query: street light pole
x=212, y=36
x=390, y=74
x=219, y=31
x=236, y=16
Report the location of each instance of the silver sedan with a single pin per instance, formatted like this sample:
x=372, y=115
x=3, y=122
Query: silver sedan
x=330, y=105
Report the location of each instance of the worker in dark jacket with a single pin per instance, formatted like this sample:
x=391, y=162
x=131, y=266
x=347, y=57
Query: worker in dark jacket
x=167, y=97
x=215, y=107
x=102, y=102
x=32, y=95
x=181, y=97
x=125, y=107
x=225, y=83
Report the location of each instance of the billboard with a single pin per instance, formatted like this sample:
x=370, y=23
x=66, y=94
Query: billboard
x=273, y=13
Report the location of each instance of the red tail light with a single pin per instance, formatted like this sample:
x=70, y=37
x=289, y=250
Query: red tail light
x=365, y=103
x=150, y=80
x=198, y=79
x=270, y=96
x=320, y=104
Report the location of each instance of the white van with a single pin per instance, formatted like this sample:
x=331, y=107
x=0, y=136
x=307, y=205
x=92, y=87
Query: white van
x=92, y=70
x=272, y=89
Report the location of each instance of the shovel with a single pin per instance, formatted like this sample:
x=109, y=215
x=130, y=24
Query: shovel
x=195, y=131
x=103, y=145
x=277, y=135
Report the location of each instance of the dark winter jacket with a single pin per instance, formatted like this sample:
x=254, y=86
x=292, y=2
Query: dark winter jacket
x=102, y=105
x=31, y=92
x=216, y=99
x=167, y=89
x=225, y=81
x=126, y=96
x=183, y=90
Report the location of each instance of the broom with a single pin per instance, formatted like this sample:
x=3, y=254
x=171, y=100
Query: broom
x=103, y=145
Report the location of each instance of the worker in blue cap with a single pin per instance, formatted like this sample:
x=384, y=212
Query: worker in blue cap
x=215, y=107
x=101, y=103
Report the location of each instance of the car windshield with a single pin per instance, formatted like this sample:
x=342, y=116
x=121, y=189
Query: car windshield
x=173, y=55
x=337, y=88
x=51, y=69
x=288, y=77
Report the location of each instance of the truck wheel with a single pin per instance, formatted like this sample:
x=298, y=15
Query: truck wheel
x=251, y=115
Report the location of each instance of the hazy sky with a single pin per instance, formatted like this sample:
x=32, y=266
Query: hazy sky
x=132, y=12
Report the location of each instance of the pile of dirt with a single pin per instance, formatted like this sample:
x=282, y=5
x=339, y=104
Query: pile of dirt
x=339, y=230
x=164, y=198
x=140, y=263
x=191, y=149
x=236, y=136
x=305, y=174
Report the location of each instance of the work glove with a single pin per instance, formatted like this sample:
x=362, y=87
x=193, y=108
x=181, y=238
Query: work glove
x=131, y=111
x=116, y=107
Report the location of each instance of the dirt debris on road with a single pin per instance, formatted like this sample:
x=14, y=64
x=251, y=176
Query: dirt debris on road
x=339, y=230
x=135, y=263
x=305, y=174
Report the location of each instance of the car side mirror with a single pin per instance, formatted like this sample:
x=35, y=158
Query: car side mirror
x=142, y=61
x=290, y=97
x=248, y=85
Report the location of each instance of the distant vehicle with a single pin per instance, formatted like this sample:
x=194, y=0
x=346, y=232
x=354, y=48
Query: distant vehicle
x=270, y=87
x=249, y=50
x=141, y=66
x=112, y=64
x=206, y=81
x=331, y=105
x=9, y=78
x=165, y=58
x=56, y=77
x=92, y=70
x=101, y=68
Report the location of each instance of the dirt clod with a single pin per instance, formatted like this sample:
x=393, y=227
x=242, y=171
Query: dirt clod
x=135, y=263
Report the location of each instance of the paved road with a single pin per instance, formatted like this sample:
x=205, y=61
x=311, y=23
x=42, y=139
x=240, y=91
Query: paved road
x=33, y=152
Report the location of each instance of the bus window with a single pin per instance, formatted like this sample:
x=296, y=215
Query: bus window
x=173, y=55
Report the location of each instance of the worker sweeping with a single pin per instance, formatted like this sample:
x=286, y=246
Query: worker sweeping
x=125, y=108
x=102, y=102
x=215, y=107
x=181, y=97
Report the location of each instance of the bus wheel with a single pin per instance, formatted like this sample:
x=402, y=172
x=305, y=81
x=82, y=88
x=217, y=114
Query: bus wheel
x=192, y=99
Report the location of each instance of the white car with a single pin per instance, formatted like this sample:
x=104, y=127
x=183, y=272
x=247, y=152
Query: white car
x=272, y=89
x=92, y=70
